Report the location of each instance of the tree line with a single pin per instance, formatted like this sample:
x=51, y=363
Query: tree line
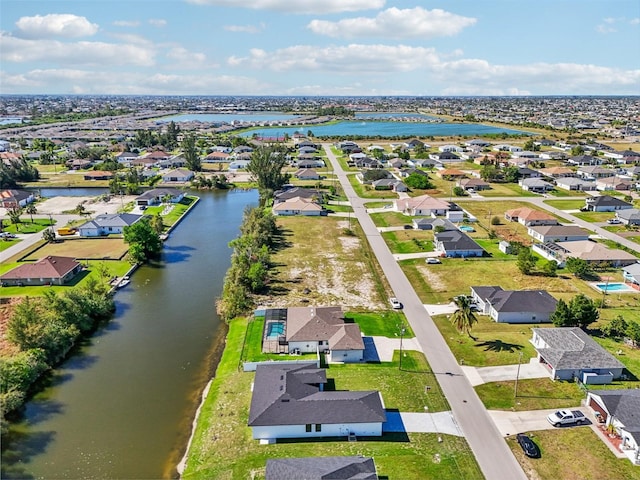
x=45, y=329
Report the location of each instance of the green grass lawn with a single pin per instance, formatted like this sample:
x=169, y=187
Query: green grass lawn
x=565, y=204
x=573, y=454
x=378, y=204
x=494, y=344
x=383, y=324
x=366, y=191
x=409, y=241
x=390, y=219
x=533, y=394
x=92, y=248
x=222, y=446
x=561, y=192
x=506, y=190
x=340, y=208
x=27, y=226
x=176, y=212
x=594, y=217
x=6, y=243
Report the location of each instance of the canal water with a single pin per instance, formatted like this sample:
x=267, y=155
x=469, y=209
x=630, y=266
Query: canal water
x=122, y=407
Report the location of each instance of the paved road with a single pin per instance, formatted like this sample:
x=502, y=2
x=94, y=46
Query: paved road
x=492, y=453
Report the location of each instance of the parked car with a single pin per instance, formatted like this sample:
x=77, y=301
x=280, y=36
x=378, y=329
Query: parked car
x=433, y=260
x=614, y=221
x=566, y=417
x=529, y=447
x=395, y=303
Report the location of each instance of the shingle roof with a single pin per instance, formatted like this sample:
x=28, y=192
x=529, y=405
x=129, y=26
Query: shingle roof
x=289, y=395
x=607, y=200
x=571, y=348
x=321, y=468
x=47, y=267
x=322, y=324
x=624, y=405
x=523, y=301
x=453, y=240
x=113, y=220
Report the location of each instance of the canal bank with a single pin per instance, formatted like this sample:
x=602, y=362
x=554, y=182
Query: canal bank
x=122, y=408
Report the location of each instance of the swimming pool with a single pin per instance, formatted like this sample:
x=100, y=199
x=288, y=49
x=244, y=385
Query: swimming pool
x=274, y=330
x=615, y=287
x=466, y=228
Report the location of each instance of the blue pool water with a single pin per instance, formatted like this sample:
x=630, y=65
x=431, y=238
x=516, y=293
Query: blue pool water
x=275, y=329
x=466, y=228
x=614, y=287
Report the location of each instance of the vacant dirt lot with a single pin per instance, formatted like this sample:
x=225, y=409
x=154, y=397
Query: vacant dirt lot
x=94, y=205
x=85, y=248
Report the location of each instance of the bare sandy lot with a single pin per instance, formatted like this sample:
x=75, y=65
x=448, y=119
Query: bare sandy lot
x=93, y=205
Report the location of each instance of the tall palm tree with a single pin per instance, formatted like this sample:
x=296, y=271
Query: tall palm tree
x=31, y=209
x=463, y=318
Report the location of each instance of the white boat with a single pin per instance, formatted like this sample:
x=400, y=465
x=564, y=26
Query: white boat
x=124, y=282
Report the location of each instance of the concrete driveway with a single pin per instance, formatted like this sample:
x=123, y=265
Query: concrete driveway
x=480, y=375
x=380, y=349
x=510, y=423
x=414, y=422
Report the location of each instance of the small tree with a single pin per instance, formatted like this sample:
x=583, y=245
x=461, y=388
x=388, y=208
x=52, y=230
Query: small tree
x=526, y=261
x=583, y=310
x=579, y=267
x=459, y=191
x=615, y=328
x=550, y=268
x=49, y=235
x=495, y=220
x=633, y=332
x=31, y=210
x=561, y=316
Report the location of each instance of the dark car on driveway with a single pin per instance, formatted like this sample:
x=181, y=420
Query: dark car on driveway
x=528, y=446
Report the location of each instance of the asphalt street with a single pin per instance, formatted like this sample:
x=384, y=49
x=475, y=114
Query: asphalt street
x=491, y=451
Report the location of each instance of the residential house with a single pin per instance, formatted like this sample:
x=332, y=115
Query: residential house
x=445, y=157
x=613, y=183
x=473, y=183
x=454, y=243
x=179, y=175
x=423, y=205
x=157, y=155
x=433, y=224
x=594, y=172
x=389, y=184
x=514, y=306
x=175, y=161
x=308, y=193
x=216, y=157
x=12, y=198
x=239, y=164
x=450, y=148
x=569, y=353
x=307, y=174
x=606, y=203
x=289, y=401
x=51, y=270
x=415, y=143
x=573, y=183
x=536, y=185
x=558, y=233
x=584, y=160
x=530, y=217
x=631, y=273
x=157, y=196
x=125, y=158
x=107, y=224
x=557, y=172
x=587, y=250
x=630, y=216
x=526, y=172
x=451, y=173
x=477, y=142
x=98, y=175
x=306, y=162
x=506, y=148
x=298, y=206
x=619, y=410
x=78, y=163
x=321, y=468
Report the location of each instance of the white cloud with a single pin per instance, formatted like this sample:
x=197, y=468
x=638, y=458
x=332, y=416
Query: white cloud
x=126, y=23
x=395, y=23
x=19, y=50
x=55, y=25
x=158, y=22
x=635, y=21
x=604, y=29
x=182, y=58
x=318, y=7
x=136, y=83
x=339, y=59
x=245, y=28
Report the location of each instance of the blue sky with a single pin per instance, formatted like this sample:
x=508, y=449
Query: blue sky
x=320, y=47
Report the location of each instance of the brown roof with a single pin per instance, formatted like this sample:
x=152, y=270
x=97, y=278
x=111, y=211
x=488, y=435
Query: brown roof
x=528, y=214
x=48, y=267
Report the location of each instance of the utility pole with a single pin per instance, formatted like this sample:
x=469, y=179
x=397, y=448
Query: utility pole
x=402, y=330
x=515, y=392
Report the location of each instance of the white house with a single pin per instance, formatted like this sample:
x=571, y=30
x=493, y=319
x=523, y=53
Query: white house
x=568, y=353
x=514, y=306
x=179, y=175
x=298, y=206
x=108, y=224
x=619, y=409
x=289, y=401
x=558, y=233
x=423, y=205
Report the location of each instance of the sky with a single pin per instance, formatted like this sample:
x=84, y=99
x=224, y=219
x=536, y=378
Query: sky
x=320, y=47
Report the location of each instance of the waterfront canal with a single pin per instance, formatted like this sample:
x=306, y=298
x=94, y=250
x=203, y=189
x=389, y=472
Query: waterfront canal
x=122, y=407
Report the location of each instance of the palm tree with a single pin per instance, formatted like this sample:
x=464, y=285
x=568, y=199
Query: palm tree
x=463, y=318
x=31, y=210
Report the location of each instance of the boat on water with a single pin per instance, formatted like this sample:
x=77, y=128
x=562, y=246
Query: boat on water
x=124, y=282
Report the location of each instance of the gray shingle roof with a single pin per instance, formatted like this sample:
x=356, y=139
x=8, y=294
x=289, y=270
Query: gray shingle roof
x=607, y=200
x=321, y=468
x=624, y=405
x=453, y=240
x=290, y=395
x=571, y=348
x=517, y=300
x=113, y=220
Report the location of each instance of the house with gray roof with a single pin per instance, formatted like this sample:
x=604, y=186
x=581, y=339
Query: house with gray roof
x=536, y=185
x=557, y=233
x=108, y=224
x=514, y=306
x=290, y=401
x=454, y=243
x=630, y=216
x=631, y=273
x=570, y=353
x=573, y=183
x=620, y=410
x=155, y=196
x=321, y=468
x=606, y=203
x=427, y=223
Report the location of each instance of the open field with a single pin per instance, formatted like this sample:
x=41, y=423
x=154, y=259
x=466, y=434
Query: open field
x=222, y=446
x=319, y=263
x=589, y=459
x=565, y=204
x=367, y=191
x=533, y=394
x=495, y=343
x=409, y=241
x=390, y=219
x=507, y=190
x=27, y=226
x=84, y=248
